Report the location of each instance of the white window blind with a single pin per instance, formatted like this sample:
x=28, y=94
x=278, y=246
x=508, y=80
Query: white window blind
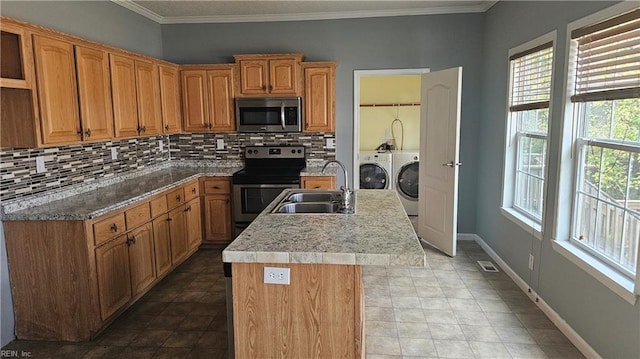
x=608, y=63
x=531, y=78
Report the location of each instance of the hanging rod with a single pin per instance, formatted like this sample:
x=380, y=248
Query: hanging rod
x=388, y=104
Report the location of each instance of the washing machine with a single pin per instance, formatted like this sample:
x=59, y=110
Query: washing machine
x=376, y=170
x=405, y=179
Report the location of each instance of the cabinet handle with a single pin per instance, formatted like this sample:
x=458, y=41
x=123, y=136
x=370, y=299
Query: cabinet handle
x=166, y=127
x=216, y=187
x=131, y=240
x=264, y=88
x=209, y=125
x=193, y=190
x=114, y=227
x=79, y=132
x=144, y=128
x=139, y=129
x=169, y=219
x=88, y=132
x=178, y=198
x=270, y=88
x=188, y=209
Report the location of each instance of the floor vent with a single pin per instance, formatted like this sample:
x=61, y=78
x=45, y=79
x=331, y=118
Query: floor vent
x=487, y=266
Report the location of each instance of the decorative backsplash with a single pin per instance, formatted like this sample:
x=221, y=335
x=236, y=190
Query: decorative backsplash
x=83, y=163
x=74, y=164
x=198, y=146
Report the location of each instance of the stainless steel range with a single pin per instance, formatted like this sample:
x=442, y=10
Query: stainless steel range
x=268, y=170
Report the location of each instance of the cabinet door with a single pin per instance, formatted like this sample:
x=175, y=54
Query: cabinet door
x=217, y=218
x=253, y=77
x=94, y=92
x=220, y=85
x=162, y=244
x=283, y=77
x=194, y=223
x=148, y=91
x=318, y=182
x=114, y=278
x=125, y=104
x=194, y=100
x=170, y=99
x=178, y=234
x=319, y=96
x=56, y=74
x=141, y=258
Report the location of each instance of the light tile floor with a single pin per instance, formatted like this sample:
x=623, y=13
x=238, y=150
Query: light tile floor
x=448, y=309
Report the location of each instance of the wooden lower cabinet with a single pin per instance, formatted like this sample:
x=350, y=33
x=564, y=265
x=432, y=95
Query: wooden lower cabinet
x=194, y=223
x=178, y=234
x=318, y=182
x=162, y=244
x=319, y=315
x=114, y=275
x=217, y=210
x=141, y=258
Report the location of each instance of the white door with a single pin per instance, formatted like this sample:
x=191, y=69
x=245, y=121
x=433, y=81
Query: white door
x=438, y=174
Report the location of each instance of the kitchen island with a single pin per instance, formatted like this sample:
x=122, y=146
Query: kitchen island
x=320, y=313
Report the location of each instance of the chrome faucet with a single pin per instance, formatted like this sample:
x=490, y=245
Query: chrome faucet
x=346, y=205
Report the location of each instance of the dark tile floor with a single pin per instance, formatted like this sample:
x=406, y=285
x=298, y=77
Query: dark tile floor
x=183, y=316
x=448, y=309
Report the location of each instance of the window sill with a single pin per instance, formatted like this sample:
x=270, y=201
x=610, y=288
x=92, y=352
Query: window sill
x=612, y=279
x=525, y=223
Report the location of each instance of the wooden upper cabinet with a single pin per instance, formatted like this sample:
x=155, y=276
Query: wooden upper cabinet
x=220, y=93
x=16, y=69
x=194, y=100
x=269, y=75
x=94, y=90
x=148, y=91
x=56, y=73
x=125, y=104
x=170, y=99
x=319, y=96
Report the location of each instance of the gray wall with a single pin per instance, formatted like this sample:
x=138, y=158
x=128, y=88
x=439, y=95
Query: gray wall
x=607, y=322
x=437, y=42
x=101, y=21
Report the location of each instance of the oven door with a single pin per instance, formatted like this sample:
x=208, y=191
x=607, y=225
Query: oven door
x=251, y=199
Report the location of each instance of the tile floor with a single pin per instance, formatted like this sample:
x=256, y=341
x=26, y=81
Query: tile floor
x=449, y=309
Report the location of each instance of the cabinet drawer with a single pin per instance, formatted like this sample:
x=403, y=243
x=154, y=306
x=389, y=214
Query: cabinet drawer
x=137, y=215
x=175, y=197
x=158, y=206
x=217, y=185
x=108, y=228
x=191, y=190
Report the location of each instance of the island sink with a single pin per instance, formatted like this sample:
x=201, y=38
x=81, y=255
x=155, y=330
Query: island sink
x=311, y=201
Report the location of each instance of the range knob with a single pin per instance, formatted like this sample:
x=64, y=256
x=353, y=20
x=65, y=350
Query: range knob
x=250, y=151
x=299, y=151
x=293, y=151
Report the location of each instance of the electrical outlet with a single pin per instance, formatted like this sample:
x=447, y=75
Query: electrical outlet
x=220, y=144
x=531, y=260
x=331, y=143
x=160, y=145
x=40, y=167
x=274, y=275
x=114, y=153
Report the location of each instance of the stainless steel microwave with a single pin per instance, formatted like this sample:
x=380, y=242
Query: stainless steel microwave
x=269, y=114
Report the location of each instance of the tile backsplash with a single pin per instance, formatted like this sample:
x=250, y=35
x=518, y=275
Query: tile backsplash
x=83, y=163
x=199, y=146
x=74, y=164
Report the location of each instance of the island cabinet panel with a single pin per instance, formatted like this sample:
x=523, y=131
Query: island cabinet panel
x=141, y=258
x=114, y=275
x=317, y=316
x=94, y=89
x=57, y=91
x=53, y=287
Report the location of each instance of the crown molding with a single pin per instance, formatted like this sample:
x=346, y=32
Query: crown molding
x=301, y=16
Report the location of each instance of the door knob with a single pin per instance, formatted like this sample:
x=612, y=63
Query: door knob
x=452, y=164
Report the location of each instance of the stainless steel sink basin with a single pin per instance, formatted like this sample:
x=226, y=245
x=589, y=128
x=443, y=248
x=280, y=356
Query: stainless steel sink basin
x=316, y=196
x=307, y=207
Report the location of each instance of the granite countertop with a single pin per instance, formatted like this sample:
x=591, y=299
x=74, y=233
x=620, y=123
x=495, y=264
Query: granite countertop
x=101, y=200
x=378, y=233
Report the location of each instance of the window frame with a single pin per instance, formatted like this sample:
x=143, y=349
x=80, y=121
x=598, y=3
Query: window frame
x=614, y=279
x=508, y=208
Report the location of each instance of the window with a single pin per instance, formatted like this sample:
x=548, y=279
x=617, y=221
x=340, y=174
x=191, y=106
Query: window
x=530, y=77
x=606, y=120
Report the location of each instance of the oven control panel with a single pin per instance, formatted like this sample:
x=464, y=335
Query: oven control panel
x=274, y=152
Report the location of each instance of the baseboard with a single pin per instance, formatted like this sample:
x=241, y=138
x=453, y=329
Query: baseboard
x=562, y=325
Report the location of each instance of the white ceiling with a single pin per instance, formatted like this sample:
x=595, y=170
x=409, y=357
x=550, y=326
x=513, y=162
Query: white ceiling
x=217, y=11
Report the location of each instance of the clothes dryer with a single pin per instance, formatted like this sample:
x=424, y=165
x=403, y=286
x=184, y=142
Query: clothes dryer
x=405, y=179
x=375, y=170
